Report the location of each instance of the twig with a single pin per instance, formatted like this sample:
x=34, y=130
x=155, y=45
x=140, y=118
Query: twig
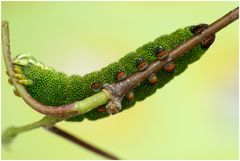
x=80, y=142
x=9, y=134
x=48, y=123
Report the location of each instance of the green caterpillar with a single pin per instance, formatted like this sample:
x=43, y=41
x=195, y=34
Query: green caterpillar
x=54, y=88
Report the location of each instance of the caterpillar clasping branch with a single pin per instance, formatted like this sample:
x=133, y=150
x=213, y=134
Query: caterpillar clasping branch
x=115, y=87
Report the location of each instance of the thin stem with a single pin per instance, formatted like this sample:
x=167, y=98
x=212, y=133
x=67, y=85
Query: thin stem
x=83, y=106
x=93, y=101
x=9, y=134
x=48, y=123
x=80, y=142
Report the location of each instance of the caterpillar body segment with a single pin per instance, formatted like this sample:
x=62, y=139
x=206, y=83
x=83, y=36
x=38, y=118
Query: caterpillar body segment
x=54, y=88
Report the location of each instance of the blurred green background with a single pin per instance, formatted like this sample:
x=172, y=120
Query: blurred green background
x=195, y=116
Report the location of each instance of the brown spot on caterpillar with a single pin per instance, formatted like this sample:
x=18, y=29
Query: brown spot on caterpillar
x=16, y=93
x=101, y=109
x=170, y=67
x=207, y=42
x=130, y=96
x=141, y=64
x=96, y=87
x=121, y=75
x=161, y=53
x=153, y=79
x=199, y=29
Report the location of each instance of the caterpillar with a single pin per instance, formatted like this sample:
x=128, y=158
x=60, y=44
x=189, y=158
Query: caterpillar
x=54, y=88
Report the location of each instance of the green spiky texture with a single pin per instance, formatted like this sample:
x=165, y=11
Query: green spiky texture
x=54, y=88
x=48, y=87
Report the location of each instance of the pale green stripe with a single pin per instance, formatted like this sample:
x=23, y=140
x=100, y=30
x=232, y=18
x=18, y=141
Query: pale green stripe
x=92, y=102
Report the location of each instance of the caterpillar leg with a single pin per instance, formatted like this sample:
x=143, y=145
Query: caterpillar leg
x=18, y=63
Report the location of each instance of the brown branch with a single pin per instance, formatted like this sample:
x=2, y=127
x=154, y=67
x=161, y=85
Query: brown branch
x=117, y=90
x=80, y=142
x=212, y=29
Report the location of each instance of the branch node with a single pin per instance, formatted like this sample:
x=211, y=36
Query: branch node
x=114, y=105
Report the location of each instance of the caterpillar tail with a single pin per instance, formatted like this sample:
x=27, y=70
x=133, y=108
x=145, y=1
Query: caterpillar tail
x=55, y=88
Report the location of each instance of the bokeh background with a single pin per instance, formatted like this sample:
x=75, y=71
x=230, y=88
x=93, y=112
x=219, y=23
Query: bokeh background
x=195, y=116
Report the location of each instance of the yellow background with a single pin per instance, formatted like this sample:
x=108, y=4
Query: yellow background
x=195, y=116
